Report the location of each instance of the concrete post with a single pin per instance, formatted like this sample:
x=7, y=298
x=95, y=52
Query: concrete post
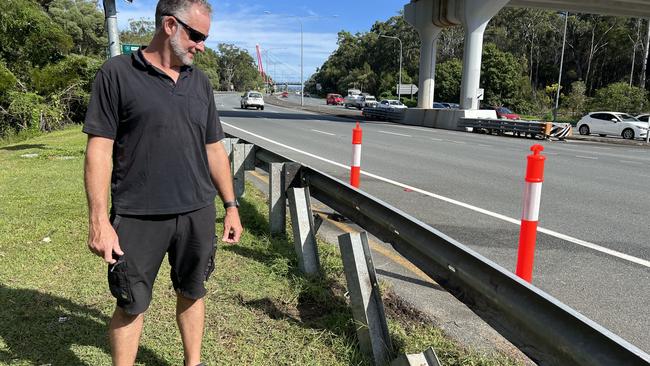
x=277, y=199
x=365, y=298
x=110, y=13
x=238, y=171
x=304, y=237
x=475, y=17
x=420, y=14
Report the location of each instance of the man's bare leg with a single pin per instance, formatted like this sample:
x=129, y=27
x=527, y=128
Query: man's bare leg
x=190, y=316
x=124, y=332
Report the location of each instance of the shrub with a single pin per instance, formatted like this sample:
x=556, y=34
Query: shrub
x=620, y=97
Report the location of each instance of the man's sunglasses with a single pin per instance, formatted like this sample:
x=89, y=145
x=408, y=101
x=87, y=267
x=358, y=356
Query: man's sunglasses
x=195, y=36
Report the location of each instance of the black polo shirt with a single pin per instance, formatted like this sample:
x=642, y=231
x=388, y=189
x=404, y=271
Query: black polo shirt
x=160, y=129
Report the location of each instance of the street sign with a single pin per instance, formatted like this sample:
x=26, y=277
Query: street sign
x=128, y=49
x=407, y=89
x=480, y=93
x=319, y=87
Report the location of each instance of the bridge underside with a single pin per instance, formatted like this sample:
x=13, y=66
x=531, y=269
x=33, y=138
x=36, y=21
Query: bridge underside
x=628, y=8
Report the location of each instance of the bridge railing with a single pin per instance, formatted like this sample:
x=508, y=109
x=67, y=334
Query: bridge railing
x=542, y=327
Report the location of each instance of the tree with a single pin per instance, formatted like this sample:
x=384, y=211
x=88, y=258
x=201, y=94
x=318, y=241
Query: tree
x=29, y=37
x=84, y=22
x=577, y=99
x=208, y=62
x=621, y=97
x=500, y=76
x=237, y=69
x=140, y=31
x=448, y=77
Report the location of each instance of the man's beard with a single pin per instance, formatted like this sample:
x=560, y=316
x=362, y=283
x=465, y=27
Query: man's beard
x=179, y=51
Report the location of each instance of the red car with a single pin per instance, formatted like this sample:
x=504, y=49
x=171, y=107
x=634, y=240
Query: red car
x=334, y=99
x=285, y=94
x=505, y=113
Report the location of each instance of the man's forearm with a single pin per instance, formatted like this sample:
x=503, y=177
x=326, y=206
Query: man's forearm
x=97, y=175
x=220, y=171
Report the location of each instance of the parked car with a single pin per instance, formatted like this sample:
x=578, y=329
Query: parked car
x=505, y=113
x=643, y=117
x=306, y=95
x=285, y=94
x=334, y=99
x=451, y=105
x=438, y=105
x=252, y=99
x=612, y=123
x=391, y=104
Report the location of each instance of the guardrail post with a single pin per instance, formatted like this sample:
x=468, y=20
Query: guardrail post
x=238, y=159
x=304, y=237
x=277, y=199
x=365, y=298
x=426, y=358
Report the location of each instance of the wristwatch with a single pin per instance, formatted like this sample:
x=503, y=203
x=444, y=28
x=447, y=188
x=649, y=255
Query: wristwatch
x=227, y=204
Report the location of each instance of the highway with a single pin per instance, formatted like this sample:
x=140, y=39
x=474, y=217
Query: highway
x=593, y=247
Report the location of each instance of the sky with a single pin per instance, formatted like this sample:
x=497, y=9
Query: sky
x=275, y=27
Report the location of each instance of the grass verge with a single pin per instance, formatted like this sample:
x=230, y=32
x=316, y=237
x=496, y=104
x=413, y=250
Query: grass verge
x=55, y=304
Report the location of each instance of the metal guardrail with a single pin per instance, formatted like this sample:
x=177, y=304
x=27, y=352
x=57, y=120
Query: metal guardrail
x=545, y=329
x=535, y=128
x=383, y=114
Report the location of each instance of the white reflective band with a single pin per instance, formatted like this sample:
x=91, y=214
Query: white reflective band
x=356, y=155
x=532, y=196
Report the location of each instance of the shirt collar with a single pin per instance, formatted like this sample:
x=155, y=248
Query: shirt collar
x=139, y=59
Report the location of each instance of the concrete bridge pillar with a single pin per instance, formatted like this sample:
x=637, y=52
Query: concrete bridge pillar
x=476, y=15
x=420, y=14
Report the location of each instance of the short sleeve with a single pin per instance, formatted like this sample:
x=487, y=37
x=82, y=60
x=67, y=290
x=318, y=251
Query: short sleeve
x=102, y=117
x=214, y=131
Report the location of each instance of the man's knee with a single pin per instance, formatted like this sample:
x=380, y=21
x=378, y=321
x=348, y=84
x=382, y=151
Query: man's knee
x=121, y=317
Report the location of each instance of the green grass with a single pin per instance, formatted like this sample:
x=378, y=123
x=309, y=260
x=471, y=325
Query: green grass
x=55, y=304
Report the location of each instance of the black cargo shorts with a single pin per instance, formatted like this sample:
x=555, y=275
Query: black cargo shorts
x=189, y=241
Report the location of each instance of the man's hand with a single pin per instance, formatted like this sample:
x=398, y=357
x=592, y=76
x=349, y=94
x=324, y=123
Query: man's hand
x=103, y=241
x=232, y=228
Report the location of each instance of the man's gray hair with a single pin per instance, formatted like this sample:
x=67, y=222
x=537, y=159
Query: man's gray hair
x=178, y=8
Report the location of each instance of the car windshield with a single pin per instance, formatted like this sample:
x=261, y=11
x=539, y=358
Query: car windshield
x=372, y=99
x=394, y=102
x=255, y=95
x=627, y=117
x=504, y=110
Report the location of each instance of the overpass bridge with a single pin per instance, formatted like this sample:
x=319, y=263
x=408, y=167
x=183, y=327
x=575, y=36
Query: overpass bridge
x=429, y=17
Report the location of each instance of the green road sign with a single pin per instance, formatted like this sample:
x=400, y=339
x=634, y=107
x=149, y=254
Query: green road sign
x=128, y=49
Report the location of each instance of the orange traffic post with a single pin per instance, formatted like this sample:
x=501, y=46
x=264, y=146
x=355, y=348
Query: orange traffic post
x=355, y=168
x=530, y=215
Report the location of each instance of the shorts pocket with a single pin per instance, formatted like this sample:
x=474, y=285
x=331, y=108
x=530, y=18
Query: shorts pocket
x=118, y=282
x=210, y=268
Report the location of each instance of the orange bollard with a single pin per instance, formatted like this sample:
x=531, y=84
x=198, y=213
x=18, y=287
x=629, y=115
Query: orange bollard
x=530, y=215
x=355, y=169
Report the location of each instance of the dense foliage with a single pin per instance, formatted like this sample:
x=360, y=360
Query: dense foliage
x=521, y=60
x=50, y=51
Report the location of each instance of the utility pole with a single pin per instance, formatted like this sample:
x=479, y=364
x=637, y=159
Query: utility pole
x=110, y=13
x=645, y=57
x=399, y=86
x=559, y=82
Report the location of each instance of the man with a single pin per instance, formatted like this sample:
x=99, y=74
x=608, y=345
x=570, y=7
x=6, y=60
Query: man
x=152, y=115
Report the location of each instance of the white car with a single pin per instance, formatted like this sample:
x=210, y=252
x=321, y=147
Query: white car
x=612, y=123
x=252, y=99
x=391, y=104
x=643, y=117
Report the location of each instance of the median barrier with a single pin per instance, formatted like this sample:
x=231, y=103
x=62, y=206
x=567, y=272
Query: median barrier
x=542, y=327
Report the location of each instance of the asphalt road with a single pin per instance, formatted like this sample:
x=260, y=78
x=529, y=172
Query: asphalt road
x=593, y=252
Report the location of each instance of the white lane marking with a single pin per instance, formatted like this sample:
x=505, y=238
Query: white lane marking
x=586, y=157
x=434, y=139
x=484, y=145
x=458, y=142
x=549, y=153
x=630, y=162
x=324, y=133
x=394, y=133
x=571, y=239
